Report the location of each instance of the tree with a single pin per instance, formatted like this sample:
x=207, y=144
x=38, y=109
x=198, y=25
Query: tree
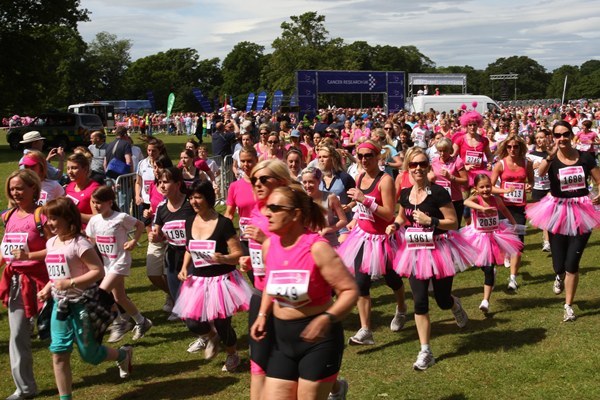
x=108, y=58
x=557, y=81
x=533, y=77
x=241, y=70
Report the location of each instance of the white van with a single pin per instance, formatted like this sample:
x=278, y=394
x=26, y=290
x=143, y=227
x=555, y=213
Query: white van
x=452, y=102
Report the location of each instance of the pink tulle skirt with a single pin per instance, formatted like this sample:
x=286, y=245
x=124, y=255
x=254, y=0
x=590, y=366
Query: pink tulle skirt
x=378, y=251
x=216, y=297
x=493, y=246
x=452, y=254
x=569, y=217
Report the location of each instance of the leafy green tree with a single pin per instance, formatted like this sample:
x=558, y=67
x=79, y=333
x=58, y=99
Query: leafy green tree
x=557, y=80
x=108, y=58
x=533, y=77
x=475, y=79
x=241, y=71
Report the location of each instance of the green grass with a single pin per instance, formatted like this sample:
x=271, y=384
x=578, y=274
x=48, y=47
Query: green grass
x=521, y=351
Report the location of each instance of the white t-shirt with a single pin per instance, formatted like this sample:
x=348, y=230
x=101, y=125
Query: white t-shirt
x=146, y=173
x=110, y=235
x=136, y=156
x=51, y=189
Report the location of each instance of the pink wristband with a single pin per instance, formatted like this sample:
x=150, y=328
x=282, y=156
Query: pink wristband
x=368, y=202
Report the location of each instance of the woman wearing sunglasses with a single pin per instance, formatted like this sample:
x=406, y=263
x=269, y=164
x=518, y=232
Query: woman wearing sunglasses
x=265, y=177
x=429, y=252
x=274, y=149
x=516, y=179
x=567, y=212
x=302, y=270
x=367, y=250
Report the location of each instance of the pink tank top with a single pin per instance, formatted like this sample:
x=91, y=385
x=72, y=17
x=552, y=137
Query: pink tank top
x=515, y=179
x=292, y=275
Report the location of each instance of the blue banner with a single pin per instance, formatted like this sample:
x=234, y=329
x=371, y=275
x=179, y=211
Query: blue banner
x=395, y=92
x=351, y=82
x=277, y=99
x=150, y=95
x=260, y=103
x=202, y=100
x=294, y=100
x=250, y=102
x=307, y=93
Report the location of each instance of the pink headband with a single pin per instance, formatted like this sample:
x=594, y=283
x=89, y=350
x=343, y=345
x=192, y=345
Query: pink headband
x=367, y=145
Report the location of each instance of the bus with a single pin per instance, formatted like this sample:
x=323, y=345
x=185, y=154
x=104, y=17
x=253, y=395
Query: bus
x=105, y=110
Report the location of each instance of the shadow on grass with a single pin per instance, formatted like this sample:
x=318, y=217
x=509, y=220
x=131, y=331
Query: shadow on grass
x=190, y=388
x=520, y=303
x=492, y=341
x=456, y=396
x=589, y=308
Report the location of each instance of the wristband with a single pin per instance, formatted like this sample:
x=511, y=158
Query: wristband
x=373, y=206
x=435, y=222
x=397, y=226
x=368, y=202
x=72, y=283
x=330, y=316
x=262, y=314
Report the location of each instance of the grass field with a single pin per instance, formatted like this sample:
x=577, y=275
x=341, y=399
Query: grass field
x=522, y=350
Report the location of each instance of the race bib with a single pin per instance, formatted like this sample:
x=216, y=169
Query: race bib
x=147, y=186
x=473, y=157
x=486, y=222
x=517, y=196
x=107, y=245
x=418, y=238
x=445, y=184
x=43, y=198
x=289, y=287
x=244, y=222
x=13, y=241
x=202, y=252
x=57, y=267
x=363, y=212
x=583, y=146
x=256, y=259
x=75, y=200
x=571, y=178
x=174, y=231
x=346, y=141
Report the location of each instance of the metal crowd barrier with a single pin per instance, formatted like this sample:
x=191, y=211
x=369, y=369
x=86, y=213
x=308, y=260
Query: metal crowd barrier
x=125, y=190
x=226, y=177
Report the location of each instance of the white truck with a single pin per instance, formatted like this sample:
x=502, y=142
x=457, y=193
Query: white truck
x=424, y=103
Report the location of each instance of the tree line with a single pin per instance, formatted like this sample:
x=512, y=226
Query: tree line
x=47, y=65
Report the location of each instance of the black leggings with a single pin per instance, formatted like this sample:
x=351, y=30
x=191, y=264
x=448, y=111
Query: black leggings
x=442, y=291
x=223, y=327
x=518, y=213
x=490, y=275
x=459, y=207
x=363, y=281
x=567, y=251
x=293, y=358
x=259, y=351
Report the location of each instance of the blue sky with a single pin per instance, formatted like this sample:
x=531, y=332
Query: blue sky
x=459, y=32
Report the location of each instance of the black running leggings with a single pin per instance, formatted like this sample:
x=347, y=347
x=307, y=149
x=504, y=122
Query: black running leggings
x=363, y=281
x=567, y=251
x=490, y=276
x=442, y=291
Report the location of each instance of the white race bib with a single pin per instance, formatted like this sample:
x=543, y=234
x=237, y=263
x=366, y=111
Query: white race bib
x=289, y=287
x=202, y=252
x=583, y=146
x=418, y=238
x=13, y=241
x=256, y=259
x=147, y=186
x=43, y=198
x=75, y=200
x=486, y=222
x=57, y=267
x=571, y=178
x=473, y=157
x=365, y=213
x=445, y=184
x=107, y=245
x=174, y=231
x=244, y=222
x=517, y=196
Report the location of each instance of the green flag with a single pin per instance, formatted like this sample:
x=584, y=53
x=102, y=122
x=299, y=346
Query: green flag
x=170, y=103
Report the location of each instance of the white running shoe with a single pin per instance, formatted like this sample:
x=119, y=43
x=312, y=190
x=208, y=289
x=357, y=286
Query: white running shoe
x=125, y=366
x=197, y=345
x=139, y=330
x=231, y=363
x=569, y=315
x=512, y=284
x=558, y=286
x=398, y=321
x=363, y=337
x=460, y=315
x=212, y=346
x=424, y=360
x=546, y=246
x=173, y=317
x=484, y=306
x=507, y=262
x=342, y=391
x=119, y=329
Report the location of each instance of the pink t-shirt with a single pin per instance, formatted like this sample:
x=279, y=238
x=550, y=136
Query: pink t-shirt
x=63, y=261
x=260, y=221
x=156, y=197
x=82, y=198
x=240, y=195
x=453, y=165
x=21, y=232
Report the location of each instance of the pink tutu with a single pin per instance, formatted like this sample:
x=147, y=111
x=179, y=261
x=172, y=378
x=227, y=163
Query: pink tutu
x=565, y=216
x=452, y=254
x=378, y=250
x=493, y=246
x=209, y=298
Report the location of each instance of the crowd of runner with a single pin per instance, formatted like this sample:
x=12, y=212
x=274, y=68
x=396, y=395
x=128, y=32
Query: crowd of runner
x=322, y=208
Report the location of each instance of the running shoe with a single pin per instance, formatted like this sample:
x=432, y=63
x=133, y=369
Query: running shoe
x=569, y=315
x=362, y=337
x=460, y=315
x=168, y=306
x=173, y=317
x=212, y=347
x=342, y=391
x=125, y=366
x=558, y=286
x=197, y=345
x=118, y=330
x=21, y=396
x=231, y=363
x=398, y=321
x=546, y=246
x=424, y=360
x=512, y=284
x=484, y=306
x=507, y=262
x=139, y=330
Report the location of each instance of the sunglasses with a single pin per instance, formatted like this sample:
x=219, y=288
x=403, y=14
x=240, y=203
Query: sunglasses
x=387, y=128
x=365, y=156
x=272, y=142
x=415, y=164
x=561, y=135
x=262, y=179
x=275, y=208
x=512, y=146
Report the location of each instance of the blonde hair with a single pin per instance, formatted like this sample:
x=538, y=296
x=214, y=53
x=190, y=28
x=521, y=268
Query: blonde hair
x=30, y=179
x=278, y=169
x=412, y=153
